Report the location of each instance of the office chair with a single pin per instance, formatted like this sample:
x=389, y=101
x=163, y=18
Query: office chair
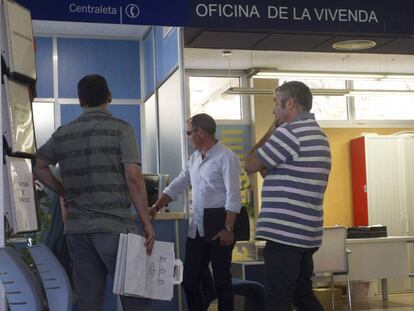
x=332, y=259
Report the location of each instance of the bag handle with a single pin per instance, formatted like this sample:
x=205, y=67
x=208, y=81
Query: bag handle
x=178, y=271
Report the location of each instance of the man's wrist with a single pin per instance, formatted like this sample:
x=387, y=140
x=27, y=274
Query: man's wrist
x=156, y=208
x=228, y=228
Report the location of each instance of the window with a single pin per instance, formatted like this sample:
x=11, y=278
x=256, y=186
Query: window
x=207, y=95
x=383, y=100
x=326, y=107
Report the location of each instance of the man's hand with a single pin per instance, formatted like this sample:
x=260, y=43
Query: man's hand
x=226, y=237
x=154, y=210
x=149, y=235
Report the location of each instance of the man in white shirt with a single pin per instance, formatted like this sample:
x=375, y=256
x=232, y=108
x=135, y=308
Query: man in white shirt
x=213, y=171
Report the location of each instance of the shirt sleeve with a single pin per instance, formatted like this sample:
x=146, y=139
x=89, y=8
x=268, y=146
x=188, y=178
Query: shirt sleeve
x=231, y=177
x=178, y=185
x=128, y=145
x=47, y=151
x=281, y=147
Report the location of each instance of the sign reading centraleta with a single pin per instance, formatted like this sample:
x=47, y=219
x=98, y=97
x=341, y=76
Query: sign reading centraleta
x=352, y=16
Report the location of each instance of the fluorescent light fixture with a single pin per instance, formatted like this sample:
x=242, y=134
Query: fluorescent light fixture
x=267, y=73
x=320, y=92
x=380, y=92
x=321, y=75
x=256, y=91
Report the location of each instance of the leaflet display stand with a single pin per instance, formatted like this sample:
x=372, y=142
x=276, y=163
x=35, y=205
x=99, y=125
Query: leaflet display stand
x=22, y=214
x=17, y=41
x=18, y=118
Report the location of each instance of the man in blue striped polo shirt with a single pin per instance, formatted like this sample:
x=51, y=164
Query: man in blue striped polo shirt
x=296, y=161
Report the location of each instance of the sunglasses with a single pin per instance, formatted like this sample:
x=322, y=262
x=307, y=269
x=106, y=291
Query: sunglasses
x=191, y=131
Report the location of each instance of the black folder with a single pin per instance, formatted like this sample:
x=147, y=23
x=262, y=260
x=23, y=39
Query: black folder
x=215, y=218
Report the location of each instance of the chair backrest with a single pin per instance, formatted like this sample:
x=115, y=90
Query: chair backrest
x=55, y=281
x=22, y=289
x=332, y=255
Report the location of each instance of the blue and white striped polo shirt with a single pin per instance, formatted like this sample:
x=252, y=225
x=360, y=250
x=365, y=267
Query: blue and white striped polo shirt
x=298, y=159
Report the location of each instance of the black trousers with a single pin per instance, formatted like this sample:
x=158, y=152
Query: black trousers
x=288, y=283
x=199, y=252
x=94, y=257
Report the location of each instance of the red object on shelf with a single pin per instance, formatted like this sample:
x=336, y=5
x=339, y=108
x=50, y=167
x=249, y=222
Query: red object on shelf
x=359, y=182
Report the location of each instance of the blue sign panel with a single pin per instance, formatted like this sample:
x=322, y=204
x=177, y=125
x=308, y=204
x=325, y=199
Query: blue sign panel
x=333, y=16
x=138, y=12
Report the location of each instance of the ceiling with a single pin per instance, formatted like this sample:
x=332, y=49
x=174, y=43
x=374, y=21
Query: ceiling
x=304, y=42
x=301, y=52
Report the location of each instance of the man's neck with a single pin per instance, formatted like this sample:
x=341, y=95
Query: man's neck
x=210, y=143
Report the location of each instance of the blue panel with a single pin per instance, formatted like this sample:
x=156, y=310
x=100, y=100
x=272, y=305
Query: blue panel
x=44, y=67
x=166, y=50
x=149, y=81
x=128, y=113
x=116, y=60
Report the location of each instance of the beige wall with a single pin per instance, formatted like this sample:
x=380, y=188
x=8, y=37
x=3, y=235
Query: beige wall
x=338, y=198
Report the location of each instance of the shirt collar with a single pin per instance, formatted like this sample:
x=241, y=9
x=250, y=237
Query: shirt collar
x=304, y=115
x=95, y=109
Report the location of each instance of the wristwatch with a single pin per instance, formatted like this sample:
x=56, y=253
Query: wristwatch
x=228, y=228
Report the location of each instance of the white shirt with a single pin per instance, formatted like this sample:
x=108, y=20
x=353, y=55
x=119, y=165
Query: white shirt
x=215, y=182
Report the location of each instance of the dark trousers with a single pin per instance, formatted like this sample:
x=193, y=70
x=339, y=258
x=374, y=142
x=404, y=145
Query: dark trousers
x=288, y=272
x=94, y=256
x=199, y=252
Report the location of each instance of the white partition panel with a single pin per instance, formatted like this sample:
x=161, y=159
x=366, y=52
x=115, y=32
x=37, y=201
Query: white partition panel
x=171, y=119
x=150, y=137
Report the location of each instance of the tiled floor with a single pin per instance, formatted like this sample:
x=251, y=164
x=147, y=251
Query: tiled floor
x=396, y=302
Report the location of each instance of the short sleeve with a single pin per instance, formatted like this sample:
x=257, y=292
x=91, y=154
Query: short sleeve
x=47, y=151
x=128, y=145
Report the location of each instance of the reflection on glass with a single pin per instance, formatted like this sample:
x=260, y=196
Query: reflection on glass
x=330, y=107
x=384, y=107
x=206, y=95
x=20, y=117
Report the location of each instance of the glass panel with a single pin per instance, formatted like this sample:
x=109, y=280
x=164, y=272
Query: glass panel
x=206, y=95
x=318, y=83
x=330, y=108
x=150, y=139
x=383, y=85
x=171, y=132
x=44, y=121
x=384, y=107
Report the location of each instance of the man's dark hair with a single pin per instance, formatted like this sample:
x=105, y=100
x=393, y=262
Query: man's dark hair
x=205, y=122
x=93, y=90
x=299, y=91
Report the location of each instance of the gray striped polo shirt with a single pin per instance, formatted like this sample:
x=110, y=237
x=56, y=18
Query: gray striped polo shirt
x=90, y=151
x=298, y=159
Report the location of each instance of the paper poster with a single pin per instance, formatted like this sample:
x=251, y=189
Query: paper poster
x=20, y=117
x=20, y=42
x=22, y=197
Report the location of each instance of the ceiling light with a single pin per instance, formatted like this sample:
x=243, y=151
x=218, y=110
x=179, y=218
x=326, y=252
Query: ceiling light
x=226, y=53
x=256, y=91
x=269, y=74
x=354, y=45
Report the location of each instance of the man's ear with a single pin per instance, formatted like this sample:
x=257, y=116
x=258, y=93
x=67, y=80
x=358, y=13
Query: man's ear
x=290, y=103
x=109, y=99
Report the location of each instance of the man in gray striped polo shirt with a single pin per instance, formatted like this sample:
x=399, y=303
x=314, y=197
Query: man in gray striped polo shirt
x=296, y=160
x=99, y=164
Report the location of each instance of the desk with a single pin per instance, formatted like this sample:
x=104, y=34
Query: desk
x=373, y=258
x=379, y=258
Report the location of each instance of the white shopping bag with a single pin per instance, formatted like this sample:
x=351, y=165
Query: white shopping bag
x=138, y=274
